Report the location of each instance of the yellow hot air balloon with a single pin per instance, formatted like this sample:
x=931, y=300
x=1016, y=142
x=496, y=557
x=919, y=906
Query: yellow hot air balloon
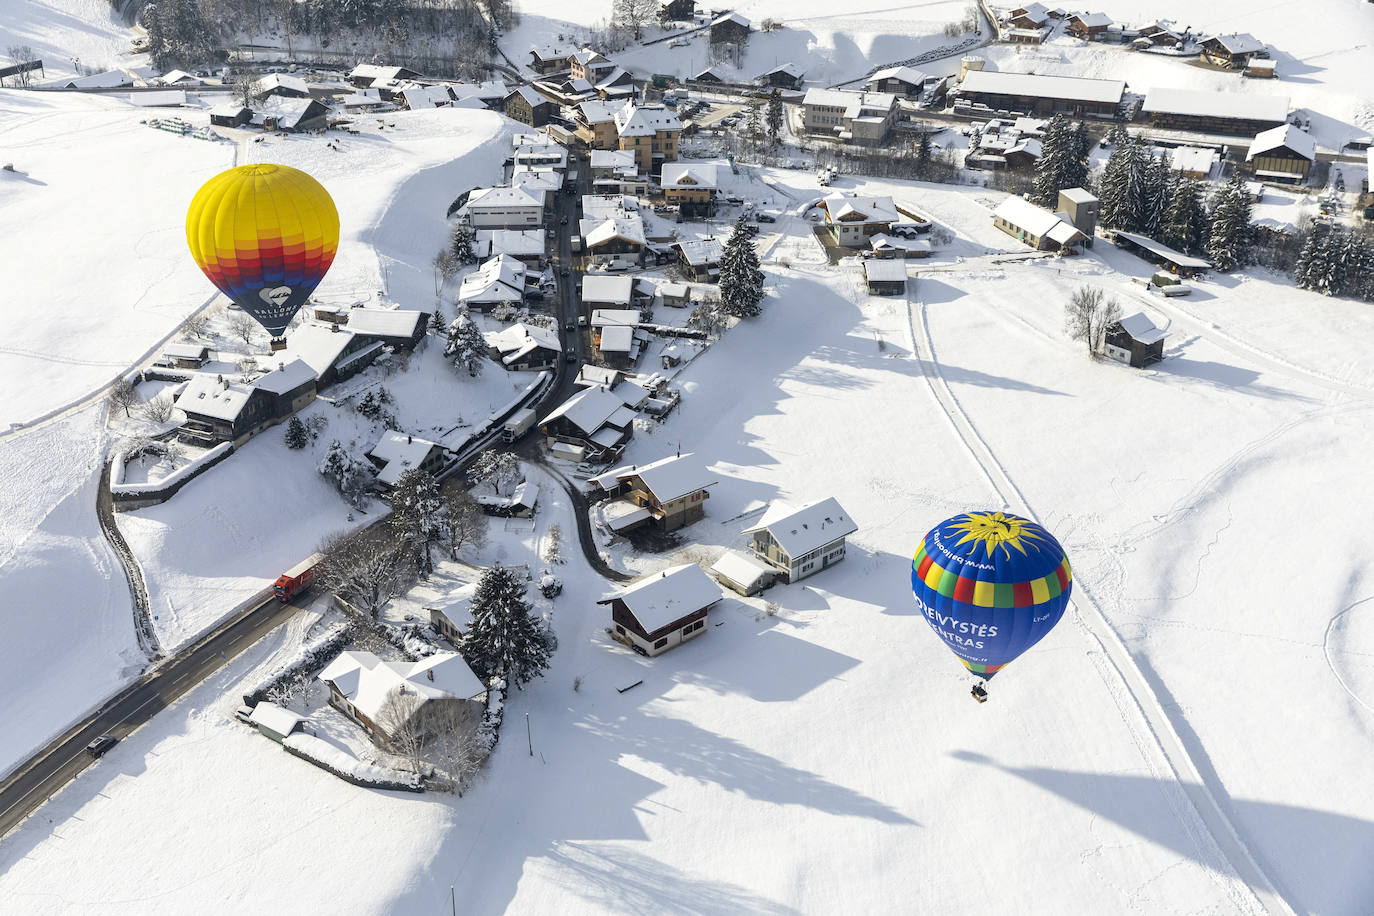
x=265, y=235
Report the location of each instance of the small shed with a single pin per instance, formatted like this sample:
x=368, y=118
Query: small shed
x=1135, y=341
x=742, y=573
x=186, y=355
x=885, y=276
x=274, y=721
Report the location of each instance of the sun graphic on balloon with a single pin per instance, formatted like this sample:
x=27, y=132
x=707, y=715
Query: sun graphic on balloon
x=996, y=529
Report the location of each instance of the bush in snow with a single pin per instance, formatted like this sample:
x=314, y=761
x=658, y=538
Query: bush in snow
x=553, y=548
x=350, y=475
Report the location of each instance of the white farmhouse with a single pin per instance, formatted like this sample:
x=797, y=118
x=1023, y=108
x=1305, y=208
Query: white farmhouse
x=798, y=542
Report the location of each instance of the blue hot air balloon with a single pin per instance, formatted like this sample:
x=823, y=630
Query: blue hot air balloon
x=991, y=585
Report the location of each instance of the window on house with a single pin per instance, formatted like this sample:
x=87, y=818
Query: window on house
x=661, y=643
x=619, y=629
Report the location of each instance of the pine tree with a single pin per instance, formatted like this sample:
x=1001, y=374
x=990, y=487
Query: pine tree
x=1082, y=142
x=753, y=122
x=1154, y=195
x=1138, y=190
x=297, y=436
x=741, y=281
x=1313, y=261
x=1185, y=221
x=1228, y=237
x=466, y=346
x=1061, y=164
x=503, y=638
x=461, y=244
x=923, y=153
x=417, y=515
x=775, y=117
x=1114, y=191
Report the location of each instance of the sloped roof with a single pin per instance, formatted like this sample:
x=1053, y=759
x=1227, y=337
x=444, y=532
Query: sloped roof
x=885, y=270
x=1023, y=214
x=207, y=395
x=908, y=75
x=1238, y=43
x=617, y=339
x=602, y=318
x=319, y=347
x=287, y=377
x=645, y=120
x=420, y=97
x=385, y=322
x=629, y=228
x=732, y=17
x=499, y=279
x=1092, y=20
x=603, y=288
x=366, y=680
x=701, y=252
x=871, y=209
x=1070, y=88
x=1286, y=136
x=788, y=69
x=667, y=478
x=513, y=242
x=668, y=596
x=520, y=338
x=280, y=81
x=588, y=411
x=742, y=569
x=1242, y=105
x=186, y=350
x=799, y=530
x=1164, y=251
x=689, y=175
x=282, y=721
x=1141, y=328
x=400, y=453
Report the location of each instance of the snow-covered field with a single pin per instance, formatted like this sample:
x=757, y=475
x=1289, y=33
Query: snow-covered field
x=65, y=33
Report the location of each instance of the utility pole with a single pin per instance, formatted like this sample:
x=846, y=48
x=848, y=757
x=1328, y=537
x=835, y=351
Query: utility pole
x=528, y=736
x=453, y=900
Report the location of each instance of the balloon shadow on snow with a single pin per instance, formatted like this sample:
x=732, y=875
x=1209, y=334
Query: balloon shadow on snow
x=1327, y=852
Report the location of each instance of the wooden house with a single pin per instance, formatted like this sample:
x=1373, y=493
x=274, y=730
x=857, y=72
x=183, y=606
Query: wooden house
x=784, y=76
x=219, y=410
x=902, y=82
x=672, y=490
x=1135, y=341
x=186, y=355
x=1036, y=226
x=528, y=106
x=691, y=187
x=395, y=453
x=1088, y=26
x=885, y=277
x=1282, y=154
x=1031, y=16
x=663, y=610
x=801, y=541
x=548, y=59
x=1233, y=51
x=435, y=690
x=230, y=114
x=730, y=28
x=677, y=11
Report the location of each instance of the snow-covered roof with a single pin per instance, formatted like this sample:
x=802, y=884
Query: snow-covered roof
x=787, y=69
x=621, y=513
x=597, y=376
x=366, y=681
x=632, y=393
x=1286, y=136
x=855, y=210
x=536, y=179
x=420, y=97
x=667, y=478
x=376, y=72
x=668, y=596
x=1078, y=195
x=486, y=90
x=289, y=112
x=645, y=120
x=280, y=81
x=504, y=197
x=741, y=568
x=499, y=279
x=603, y=318
x=513, y=242
x=275, y=718
x=110, y=79
x=626, y=228
x=732, y=17
x=1191, y=159
x=1238, y=43
x=710, y=73
x=454, y=605
x=588, y=411
x=165, y=98
x=597, y=112
x=385, y=322
x=908, y=75
x=1243, y=105
x=287, y=377
x=689, y=175
x=1141, y=329
x=588, y=56
x=602, y=206
x=802, y=529
x=316, y=345
x=208, y=396
x=1038, y=221
x=1164, y=251
x=884, y=270
x=674, y=290
x=532, y=96
x=179, y=78
x=520, y=338
x=602, y=288
x=701, y=252
x=399, y=453
x=1028, y=145
x=1092, y=20
x=1072, y=88
x=552, y=52
x=617, y=339
x=185, y=350
x=228, y=110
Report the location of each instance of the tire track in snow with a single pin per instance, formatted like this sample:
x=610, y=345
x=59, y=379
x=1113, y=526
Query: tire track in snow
x=1209, y=826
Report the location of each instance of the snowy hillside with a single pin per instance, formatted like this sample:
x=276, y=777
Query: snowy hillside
x=65, y=33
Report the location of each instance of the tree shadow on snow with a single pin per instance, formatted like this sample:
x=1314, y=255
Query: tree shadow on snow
x=1224, y=377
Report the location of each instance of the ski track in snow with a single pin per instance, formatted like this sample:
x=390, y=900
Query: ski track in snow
x=1205, y=821
x=1326, y=652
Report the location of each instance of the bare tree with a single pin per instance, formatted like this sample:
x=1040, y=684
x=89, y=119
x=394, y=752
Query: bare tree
x=365, y=569
x=243, y=82
x=243, y=327
x=464, y=522
x=634, y=14
x=1087, y=315
x=398, y=719
x=159, y=409
x=123, y=395
x=459, y=746
x=21, y=54
x=197, y=325
x=501, y=468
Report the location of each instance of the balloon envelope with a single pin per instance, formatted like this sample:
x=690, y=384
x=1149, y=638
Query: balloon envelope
x=265, y=235
x=991, y=585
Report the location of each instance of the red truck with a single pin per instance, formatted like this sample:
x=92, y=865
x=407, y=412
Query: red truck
x=297, y=579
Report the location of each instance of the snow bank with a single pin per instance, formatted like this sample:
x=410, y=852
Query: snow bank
x=328, y=757
x=177, y=478
x=318, y=652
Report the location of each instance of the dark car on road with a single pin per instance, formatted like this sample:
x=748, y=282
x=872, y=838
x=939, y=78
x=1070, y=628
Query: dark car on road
x=563, y=221
x=99, y=746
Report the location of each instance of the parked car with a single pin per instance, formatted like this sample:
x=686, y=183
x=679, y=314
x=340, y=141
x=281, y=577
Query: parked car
x=563, y=221
x=99, y=746
x=767, y=218
x=570, y=356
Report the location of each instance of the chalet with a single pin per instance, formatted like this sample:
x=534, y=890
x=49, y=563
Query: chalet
x=365, y=76
x=1033, y=16
x=434, y=693
x=333, y=353
x=691, y=187
x=273, y=721
x=800, y=541
x=730, y=28
x=450, y=615
x=525, y=245
x=677, y=11
x=861, y=117
x=422, y=98
x=291, y=115
x=595, y=419
x=902, y=82
x=523, y=347
x=499, y=280
x=219, y=410
x=1228, y=113
x=395, y=453
x=664, y=609
x=1024, y=36
x=1158, y=34
x=1088, y=26
x=1282, y=154
x=668, y=493
x=596, y=126
x=700, y=258
x=1232, y=51
x=854, y=219
x=186, y=355
x=1158, y=253
x=1135, y=341
x=504, y=208
x=616, y=338
x=280, y=84
x=614, y=240
x=885, y=277
x=230, y=114
x=398, y=328
x=364, y=100
x=743, y=573
x=550, y=59
x=651, y=132
x=529, y=106
x=1035, y=94
x=784, y=76
x=604, y=294
x=1192, y=161
x=709, y=75
x=491, y=93
x=1036, y=226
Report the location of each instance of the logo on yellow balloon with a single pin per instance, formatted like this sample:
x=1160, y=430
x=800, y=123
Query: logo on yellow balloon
x=997, y=529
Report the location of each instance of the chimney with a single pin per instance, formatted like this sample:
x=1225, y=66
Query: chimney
x=429, y=673
x=664, y=574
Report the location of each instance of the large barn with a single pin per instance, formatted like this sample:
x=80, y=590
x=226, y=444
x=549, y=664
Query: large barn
x=1035, y=94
